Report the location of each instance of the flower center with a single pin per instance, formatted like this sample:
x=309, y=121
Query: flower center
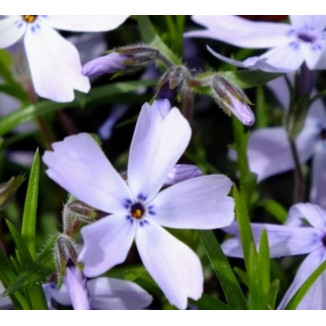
x=306, y=37
x=137, y=210
x=322, y=134
x=324, y=240
x=30, y=18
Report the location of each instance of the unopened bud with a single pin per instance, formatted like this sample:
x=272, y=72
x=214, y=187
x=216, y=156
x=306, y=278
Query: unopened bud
x=121, y=60
x=76, y=212
x=8, y=190
x=232, y=100
x=171, y=83
x=65, y=249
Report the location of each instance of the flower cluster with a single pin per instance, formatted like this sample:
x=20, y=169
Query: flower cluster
x=143, y=213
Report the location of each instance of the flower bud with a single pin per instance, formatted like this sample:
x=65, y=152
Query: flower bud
x=8, y=190
x=171, y=83
x=232, y=99
x=121, y=60
x=107, y=64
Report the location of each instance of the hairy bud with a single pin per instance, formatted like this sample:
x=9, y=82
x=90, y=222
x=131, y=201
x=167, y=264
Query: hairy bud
x=232, y=100
x=121, y=60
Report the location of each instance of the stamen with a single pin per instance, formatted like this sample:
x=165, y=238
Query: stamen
x=322, y=134
x=324, y=240
x=306, y=37
x=137, y=210
x=30, y=18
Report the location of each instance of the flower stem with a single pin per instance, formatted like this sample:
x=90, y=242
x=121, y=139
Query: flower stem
x=298, y=194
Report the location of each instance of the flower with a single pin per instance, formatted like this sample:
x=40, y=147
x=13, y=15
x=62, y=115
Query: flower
x=293, y=238
x=100, y=293
x=302, y=40
x=137, y=209
x=269, y=150
x=53, y=61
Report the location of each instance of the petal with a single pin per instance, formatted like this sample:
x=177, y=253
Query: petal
x=316, y=22
x=75, y=282
x=281, y=91
x=106, y=243
x=315, y=215
x=12, y=28
x=199, y=203
x=286, y=57
x=257, y=62
x=79, y=165
x=318, y=189
x=61, y=296
x=173, y=265
x=315, y=297
x=54, y=64
x=240, y=32
x=321, y=63
x=312, y=53
x=269, y=150
x=157, y=145
x=106, y=129
x=110, y=293
x=107, y=64
x=181, y=172
x=284, y=240
x=79, y=23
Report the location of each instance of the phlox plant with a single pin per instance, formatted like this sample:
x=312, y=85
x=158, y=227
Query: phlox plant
x=181, y=168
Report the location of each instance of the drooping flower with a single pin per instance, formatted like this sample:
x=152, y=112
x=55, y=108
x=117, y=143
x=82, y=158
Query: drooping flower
x=302, y=40
x=53, y=61
x=137, y=209
x=269, y=151
x=303, y=233
x=102, y=293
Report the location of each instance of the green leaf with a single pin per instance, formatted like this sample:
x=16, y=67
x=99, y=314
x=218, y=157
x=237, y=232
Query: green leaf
x=223, y=271
x=275, y=208
x=259, y=274
x=208, y=303
x=304, y=288
x=36, y=271
x=7, y=276
x=95, y=96
x=8, y=189
x=23, y=255
x=30, y=207
x=249, y=78
x=273, y=291
x=246, y=236
x=150, y=37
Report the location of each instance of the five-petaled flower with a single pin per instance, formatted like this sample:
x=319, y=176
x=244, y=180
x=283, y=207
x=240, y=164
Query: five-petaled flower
x=291, y=45
x=303, y=233
x=53, y=61
x=136, y=209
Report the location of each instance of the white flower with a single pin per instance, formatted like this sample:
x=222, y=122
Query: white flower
x=53, y=61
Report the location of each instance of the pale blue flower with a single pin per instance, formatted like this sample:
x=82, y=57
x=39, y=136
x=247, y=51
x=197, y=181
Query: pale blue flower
x=303, y=233
x=136, y=209
x=269, y=151
x=301, y=41
x=102, y=293
x=54, y=62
